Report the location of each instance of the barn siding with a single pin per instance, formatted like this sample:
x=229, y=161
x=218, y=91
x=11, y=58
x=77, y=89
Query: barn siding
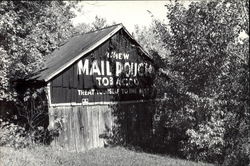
x=64, y=86
x=83, y=125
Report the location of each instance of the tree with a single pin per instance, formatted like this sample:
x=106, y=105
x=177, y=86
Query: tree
x=209, y=64
x=98, y=23
x=4, y=65
x=30, y=30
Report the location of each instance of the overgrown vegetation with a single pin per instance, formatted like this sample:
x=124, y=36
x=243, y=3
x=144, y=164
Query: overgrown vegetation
x=29, y=32
x=206, y=79
x=203, y=63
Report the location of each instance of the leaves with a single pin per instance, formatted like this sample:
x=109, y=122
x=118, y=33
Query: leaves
x=98, y=23
x=29, y=31
x=208, y=67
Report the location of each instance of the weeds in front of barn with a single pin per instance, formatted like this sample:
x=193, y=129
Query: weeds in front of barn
x=17, y=150
x=43, y=156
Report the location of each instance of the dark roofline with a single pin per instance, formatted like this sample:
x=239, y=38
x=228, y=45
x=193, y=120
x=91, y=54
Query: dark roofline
x=94, y=46
x=103, y=28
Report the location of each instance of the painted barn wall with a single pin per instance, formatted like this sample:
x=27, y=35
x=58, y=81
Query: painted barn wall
x=83, y=126
x=64, y=87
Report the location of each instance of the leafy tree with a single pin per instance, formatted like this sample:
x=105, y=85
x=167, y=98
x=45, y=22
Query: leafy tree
x=98, y=23
x=82, y=28
x=209, y=71
x=4, y=65
x=30, y=30
x=151, y=41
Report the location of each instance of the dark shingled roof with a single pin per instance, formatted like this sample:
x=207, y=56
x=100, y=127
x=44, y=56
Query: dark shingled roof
x=74, y=49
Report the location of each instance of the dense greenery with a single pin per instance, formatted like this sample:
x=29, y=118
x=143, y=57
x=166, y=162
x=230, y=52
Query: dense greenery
x=206, y=114
x=202, y=54
x=28, y=32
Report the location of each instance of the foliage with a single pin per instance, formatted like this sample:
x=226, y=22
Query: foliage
x=206, y=142
x=98, y=23
x=151, y=41
x=206, y=80
x=238, y=153
x=33, y=115
x=29, y=127
x=130, y=128
x=17, y=136
x=4, y=80
x=30, y=30
x=12, y=135
x=34, y=110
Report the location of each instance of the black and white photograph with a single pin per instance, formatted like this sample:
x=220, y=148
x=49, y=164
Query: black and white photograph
x=124, y=83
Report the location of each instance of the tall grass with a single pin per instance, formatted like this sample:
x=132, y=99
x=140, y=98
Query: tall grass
x=117, y=156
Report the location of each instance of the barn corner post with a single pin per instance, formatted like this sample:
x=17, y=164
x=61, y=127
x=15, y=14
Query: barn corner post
x=95, y=80
x=50, y=111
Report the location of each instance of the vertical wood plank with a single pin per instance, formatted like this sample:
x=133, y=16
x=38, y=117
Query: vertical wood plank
x=76, y=129
x=101, y=125
x=90, y=131
x=70, y=131
x=66, y=128
x=86, y=127
x=80, y=136
x=71, y=76
x=95, y=126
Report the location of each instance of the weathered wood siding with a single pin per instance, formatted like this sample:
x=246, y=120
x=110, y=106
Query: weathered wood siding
x=64, y=87
x=82, y=126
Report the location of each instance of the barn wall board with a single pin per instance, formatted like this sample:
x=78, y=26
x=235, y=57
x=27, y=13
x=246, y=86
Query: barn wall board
x=70, y=86
x=84, y=126
x=108, y=86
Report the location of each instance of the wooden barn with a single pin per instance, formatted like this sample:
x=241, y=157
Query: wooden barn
x=92, y=79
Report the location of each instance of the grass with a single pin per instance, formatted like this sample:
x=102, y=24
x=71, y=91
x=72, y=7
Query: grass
x=116, y=156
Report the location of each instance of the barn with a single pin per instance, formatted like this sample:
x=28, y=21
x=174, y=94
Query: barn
x=93, y=81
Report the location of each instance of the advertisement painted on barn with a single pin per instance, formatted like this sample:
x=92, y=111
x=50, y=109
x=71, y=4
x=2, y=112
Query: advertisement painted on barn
x=115, y=71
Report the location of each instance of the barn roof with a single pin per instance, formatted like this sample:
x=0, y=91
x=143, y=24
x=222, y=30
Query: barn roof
x=76, y=48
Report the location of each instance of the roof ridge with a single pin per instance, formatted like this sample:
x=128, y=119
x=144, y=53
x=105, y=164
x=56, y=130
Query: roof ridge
x=76, y=47
x=103, y=28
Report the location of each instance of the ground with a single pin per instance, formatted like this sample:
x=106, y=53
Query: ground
x=116, y=156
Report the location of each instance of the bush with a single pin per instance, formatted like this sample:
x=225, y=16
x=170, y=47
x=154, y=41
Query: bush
x=206, y=143
x=16, y=136
x=13, y=135
x=238, y=146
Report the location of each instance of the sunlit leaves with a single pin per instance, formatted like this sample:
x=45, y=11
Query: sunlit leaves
x=30, y=30
x=210, y=59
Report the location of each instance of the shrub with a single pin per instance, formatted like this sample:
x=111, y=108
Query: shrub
x=16, y=136
x=238, y=145
x=206, y=143
x=13, y=135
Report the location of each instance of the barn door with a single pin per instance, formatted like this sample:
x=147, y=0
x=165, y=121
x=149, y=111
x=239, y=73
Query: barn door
x=95, y=122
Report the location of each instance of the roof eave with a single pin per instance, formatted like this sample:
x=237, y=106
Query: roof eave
x=98, y=43
x=48, y=78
